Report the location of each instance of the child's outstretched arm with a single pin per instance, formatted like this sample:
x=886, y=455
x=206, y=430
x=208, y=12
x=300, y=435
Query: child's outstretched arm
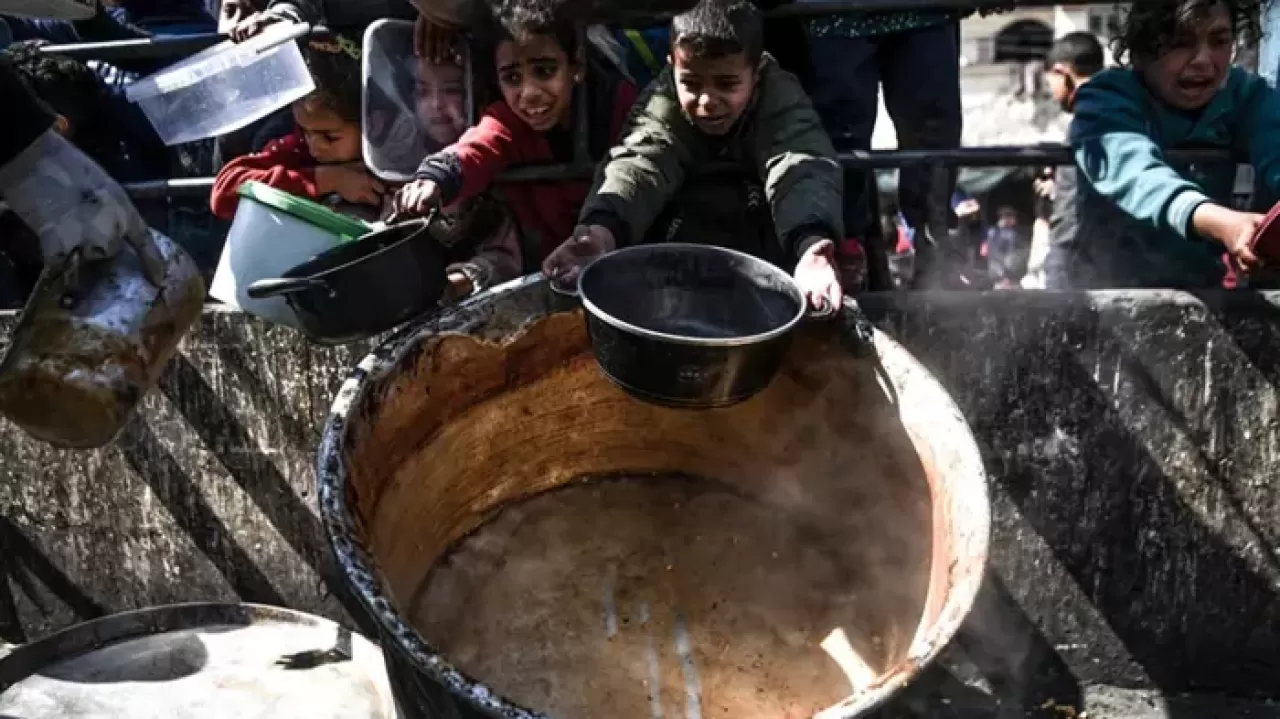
x=283, y=164
x=798, y=165
x=497, y=259
x=641, y=174
x=469, y=166
x=287, y=165
x=1114, y=151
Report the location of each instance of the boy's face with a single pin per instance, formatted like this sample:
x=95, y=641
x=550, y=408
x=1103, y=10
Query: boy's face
x=440, y=96
x=1189, y=71
x=714, y=92
x=537, y=79
x=1060, y=83
x=329, y=138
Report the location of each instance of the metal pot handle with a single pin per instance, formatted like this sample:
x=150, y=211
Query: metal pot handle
x=860, y=333
x=262, y=289
x=822, y=313
x=563, y=289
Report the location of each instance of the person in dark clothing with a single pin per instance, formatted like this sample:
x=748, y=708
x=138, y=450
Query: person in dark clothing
x=84, y=113
x=58, y=191
x=915, y=57
x=1072, y=60
x=128, y=20
x=106, y=127
x=721, y=99
x=1006, y=249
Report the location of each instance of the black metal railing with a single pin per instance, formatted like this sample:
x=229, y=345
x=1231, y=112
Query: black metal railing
x=1002, y=156
x=1016, y=156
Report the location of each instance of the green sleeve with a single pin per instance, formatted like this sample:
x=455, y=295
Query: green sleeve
x=642, y=172
x=797, y=163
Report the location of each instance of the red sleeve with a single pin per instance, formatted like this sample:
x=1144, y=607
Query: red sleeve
x=284, y=164
x=487, y=149
x=624, y=98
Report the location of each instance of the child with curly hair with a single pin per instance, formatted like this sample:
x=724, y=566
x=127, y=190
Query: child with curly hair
x=1146, y=221
x=322, y=157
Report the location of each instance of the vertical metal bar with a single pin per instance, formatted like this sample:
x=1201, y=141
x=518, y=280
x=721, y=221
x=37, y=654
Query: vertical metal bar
x=581, y=122
x=469, y=84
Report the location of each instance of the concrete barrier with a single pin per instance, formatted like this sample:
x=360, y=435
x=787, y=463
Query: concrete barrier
x=1133, y=439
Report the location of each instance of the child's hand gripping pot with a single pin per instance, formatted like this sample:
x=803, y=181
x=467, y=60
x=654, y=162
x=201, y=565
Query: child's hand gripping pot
x=416, y=198
x=568, y=260
x=818, y=277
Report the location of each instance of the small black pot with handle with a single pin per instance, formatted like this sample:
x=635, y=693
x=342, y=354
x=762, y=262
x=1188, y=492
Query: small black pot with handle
x=689, y=326
x=363, y=287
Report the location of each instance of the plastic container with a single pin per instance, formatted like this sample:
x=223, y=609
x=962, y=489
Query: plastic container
x=1266, y=243
x=225, y=87
x=396, y=137
x=273, y=232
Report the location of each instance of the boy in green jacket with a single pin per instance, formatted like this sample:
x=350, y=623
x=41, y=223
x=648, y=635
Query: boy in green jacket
x=1146, y=222
x=721, y=102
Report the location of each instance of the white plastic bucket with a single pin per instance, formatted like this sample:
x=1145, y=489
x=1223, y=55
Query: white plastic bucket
x=274, y=231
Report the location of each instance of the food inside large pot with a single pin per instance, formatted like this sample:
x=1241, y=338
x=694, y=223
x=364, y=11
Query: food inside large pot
x=543, y=540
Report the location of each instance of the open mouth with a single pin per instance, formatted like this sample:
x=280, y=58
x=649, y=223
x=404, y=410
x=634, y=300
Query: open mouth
x=1196, y=85
x=537, y=113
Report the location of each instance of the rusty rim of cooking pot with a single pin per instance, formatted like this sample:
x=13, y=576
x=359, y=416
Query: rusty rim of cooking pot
x=359, y=568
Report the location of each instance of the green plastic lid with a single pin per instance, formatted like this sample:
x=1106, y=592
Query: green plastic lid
x=347, y=228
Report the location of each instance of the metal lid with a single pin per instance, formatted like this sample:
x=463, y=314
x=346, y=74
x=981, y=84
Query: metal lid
x=198, y=661
x=305, y=210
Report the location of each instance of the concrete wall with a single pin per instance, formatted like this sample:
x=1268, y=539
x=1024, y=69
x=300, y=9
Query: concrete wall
x=208, y=493
x=1132, y=439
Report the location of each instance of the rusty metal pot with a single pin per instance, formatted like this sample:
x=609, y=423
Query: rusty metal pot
x=92, y=340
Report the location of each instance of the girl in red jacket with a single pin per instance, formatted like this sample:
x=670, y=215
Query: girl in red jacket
x=322, y=156
x=538, y=63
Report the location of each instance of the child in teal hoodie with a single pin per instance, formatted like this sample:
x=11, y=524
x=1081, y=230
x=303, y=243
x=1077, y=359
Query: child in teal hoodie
x=1147, y=222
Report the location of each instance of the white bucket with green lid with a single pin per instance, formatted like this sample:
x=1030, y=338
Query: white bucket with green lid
x=274, y=231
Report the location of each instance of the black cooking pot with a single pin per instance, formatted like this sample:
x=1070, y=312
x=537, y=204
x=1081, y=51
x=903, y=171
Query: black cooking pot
x=688, y=326
x=363, y=287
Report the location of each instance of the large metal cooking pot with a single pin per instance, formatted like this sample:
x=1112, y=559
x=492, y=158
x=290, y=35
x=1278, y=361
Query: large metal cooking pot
x=685, y=325
x=499, y=400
